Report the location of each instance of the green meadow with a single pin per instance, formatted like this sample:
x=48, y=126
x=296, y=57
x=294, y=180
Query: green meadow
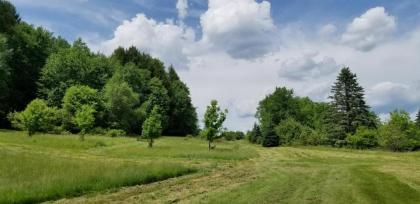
x=62, y=169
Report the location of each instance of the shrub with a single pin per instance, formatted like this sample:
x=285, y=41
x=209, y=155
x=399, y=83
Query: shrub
x=233, y=135
x=310, y=136
x=37, y=117
x=399, y=133
x=289, y=131
x=116, y=133
x=363, y=138
x=270, y=140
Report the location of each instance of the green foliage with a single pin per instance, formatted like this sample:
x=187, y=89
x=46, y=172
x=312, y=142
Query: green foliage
x=233, y=135
x=5, y=55
x=255, y=134
x=399, y=133
x=182, y=114
x=275, y=108
x=138, y=79
x=120, y=102
x=418, y=119
x=73, y=66
x=213, y=122
x=289, y=131
x=152, y=126
x=74, y=98
x=116, y=133
x=37, y=117
x=364, y=138
x=84, y=119
x=29, y=48
x=349, y=109
x=8, y=16
x=158, y=97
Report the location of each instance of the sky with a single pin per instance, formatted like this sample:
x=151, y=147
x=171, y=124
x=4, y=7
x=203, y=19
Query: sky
x=238, y=51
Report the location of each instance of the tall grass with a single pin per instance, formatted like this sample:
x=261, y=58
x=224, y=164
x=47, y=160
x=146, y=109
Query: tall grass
x=33, y=177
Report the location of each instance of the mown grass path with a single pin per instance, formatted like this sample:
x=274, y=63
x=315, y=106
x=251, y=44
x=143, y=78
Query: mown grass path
x=287, y=175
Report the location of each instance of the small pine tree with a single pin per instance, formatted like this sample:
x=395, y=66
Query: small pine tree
x=269, y=138
x=152, y=126
x=255, y=136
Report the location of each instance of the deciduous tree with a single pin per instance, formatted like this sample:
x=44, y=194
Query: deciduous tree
x=213, y=122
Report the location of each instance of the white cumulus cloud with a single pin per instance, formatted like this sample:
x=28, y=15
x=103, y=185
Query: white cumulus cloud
x=182, y=7
x=242, y=28
x=386, y=96
x=370, y=29
x=308, y=67
x=164, y=40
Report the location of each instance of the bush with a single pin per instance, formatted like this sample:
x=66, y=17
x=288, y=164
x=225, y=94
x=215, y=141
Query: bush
x=399, y=133
x=289, y=131
x=37, y=117
x=364, y=138
x=233, y=135
x=310, y=136
x=271, y=140
x=116, y=133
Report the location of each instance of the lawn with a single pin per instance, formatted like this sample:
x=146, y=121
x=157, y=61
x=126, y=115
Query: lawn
x=60, y=168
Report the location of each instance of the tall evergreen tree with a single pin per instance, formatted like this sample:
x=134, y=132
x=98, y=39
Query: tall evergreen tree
x=349, y=109
x=418, y=119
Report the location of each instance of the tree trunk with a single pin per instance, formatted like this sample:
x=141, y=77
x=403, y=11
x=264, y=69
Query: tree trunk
x=209, y=145
x=151, y=142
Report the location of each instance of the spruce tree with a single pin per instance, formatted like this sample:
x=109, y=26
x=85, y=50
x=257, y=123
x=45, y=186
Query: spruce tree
x=349, y=109
x=418, y=119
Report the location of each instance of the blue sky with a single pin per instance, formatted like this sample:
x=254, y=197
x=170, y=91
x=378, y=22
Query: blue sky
x=308, y=13
x=237, y=51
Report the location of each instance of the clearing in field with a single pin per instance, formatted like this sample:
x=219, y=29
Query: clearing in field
x=60, y=168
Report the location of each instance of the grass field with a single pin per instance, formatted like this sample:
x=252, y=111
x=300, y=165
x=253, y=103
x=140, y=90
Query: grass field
x=60, y=168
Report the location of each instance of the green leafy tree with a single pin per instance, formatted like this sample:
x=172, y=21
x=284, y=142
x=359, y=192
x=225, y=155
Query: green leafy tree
x=5, y=54
x=137, y=78
x=36, y=117
x=84, y=119
x=213, y=122
x=120, y=103
x=399, y=133
x=349, y=109
x=158, y=97
x=182, y=114
x=275, y=108
x=30, y=48
x=418, y=119
x=77, y=96
x=73, y=66
x=8, y=16
x=152, y=126
x=143, y=61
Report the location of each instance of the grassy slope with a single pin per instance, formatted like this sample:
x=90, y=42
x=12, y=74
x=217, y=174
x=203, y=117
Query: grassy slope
x=47, y=167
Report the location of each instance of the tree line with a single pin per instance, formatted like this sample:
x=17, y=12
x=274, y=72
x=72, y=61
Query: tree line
x=50, y=85
x=346, y=120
